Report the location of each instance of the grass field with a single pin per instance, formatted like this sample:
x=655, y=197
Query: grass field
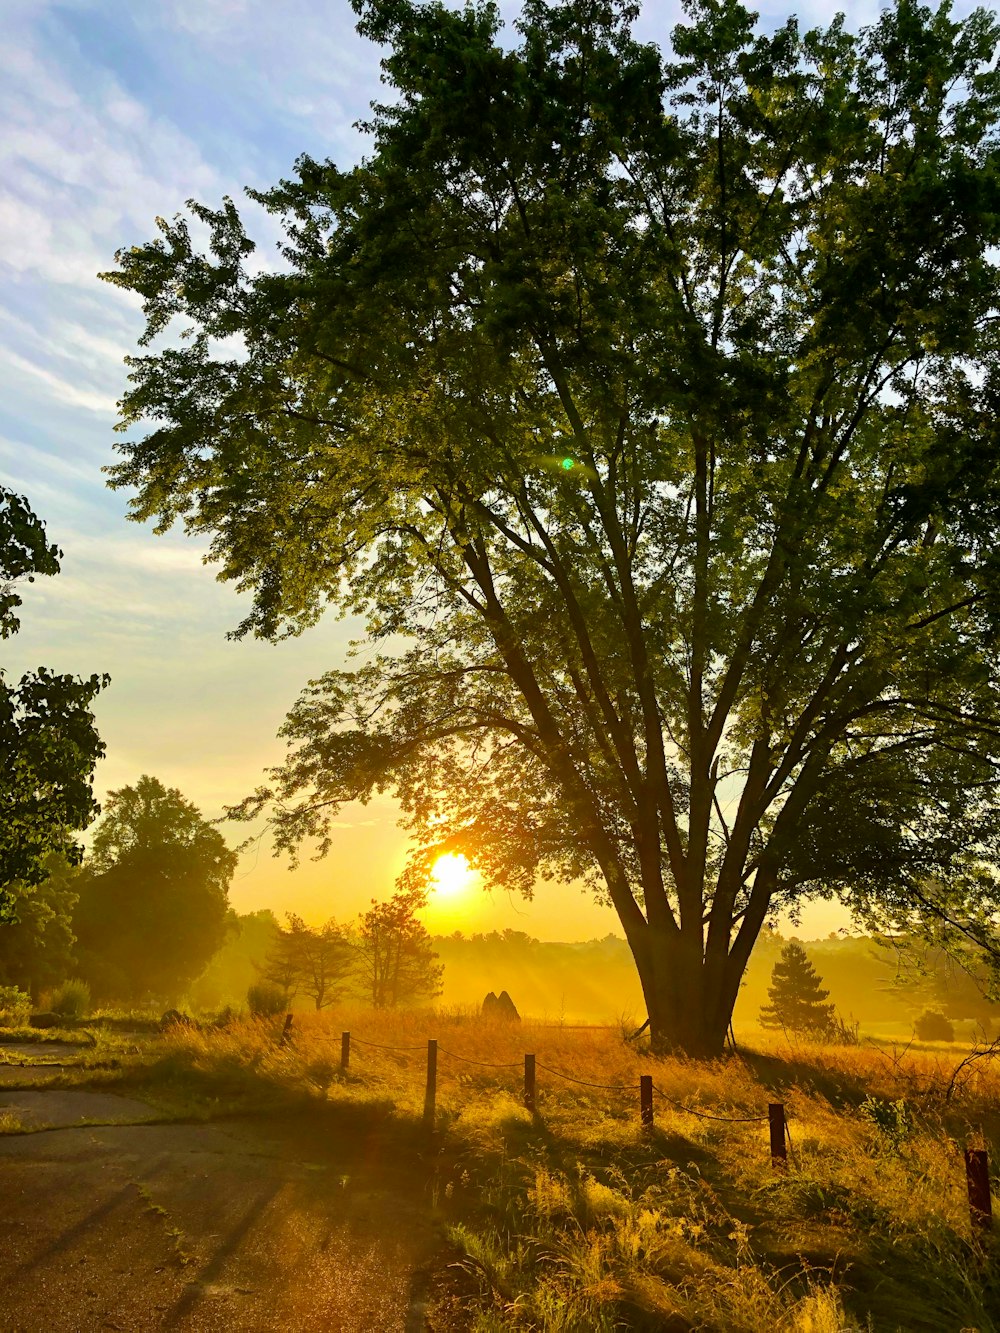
x=576, y=1218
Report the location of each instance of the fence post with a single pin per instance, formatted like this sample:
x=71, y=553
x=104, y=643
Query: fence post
x=529, y=1083
x=779, y=1148
x=977, y=1177
x=431, y=1094
x=646, y=1100
x=345, y=1051
x=286, y=1031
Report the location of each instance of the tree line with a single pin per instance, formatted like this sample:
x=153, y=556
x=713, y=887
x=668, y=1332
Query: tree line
x=148, y=909
x=387, y=958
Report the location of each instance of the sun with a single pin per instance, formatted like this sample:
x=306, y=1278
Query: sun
x=451, y=875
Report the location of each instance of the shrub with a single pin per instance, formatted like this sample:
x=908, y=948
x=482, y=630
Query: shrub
x=71, y=999
x=15, y=1004
x=265, y=999
x=932, y=1026
x=891, y=1122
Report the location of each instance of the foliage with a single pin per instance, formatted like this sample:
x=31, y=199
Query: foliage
x=398, y=960
x=933, y=1026
x=47, y=733
x=37, y=950
x=654, y=400
x=891, y=1121
x=796, y=996
x=15, y=1004
x=70, y=1000
x=265, y=999
x=153, y=895
x=317, y=960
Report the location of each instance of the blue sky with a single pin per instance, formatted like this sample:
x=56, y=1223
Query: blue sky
x=113, y=113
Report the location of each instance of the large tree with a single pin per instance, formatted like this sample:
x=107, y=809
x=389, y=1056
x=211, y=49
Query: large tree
x=49, y=744
x=655, y=401
x=153, y=896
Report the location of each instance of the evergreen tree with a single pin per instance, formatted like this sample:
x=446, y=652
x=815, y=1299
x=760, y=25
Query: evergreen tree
x=797, y=996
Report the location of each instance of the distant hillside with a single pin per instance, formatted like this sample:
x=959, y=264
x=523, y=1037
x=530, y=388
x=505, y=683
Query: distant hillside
x=596, y=982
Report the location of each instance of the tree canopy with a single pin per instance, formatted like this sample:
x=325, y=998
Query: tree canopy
x=153, y=896
x=319, y=961
x=36, y=950
x=653, y=398
x=48, y=740
x=398, y=962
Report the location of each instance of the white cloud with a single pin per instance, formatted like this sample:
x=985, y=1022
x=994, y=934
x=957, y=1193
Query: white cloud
x=64, y=390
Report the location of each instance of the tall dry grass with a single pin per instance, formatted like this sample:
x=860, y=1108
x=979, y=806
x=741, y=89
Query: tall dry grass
x=576, y=1218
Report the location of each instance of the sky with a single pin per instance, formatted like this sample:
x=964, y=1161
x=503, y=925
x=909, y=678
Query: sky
x=112, y=113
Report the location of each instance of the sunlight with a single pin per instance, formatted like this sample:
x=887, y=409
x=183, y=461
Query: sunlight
x=451, y=875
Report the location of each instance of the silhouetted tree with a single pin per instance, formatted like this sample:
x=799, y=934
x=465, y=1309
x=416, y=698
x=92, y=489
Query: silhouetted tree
x=398, y=960
x=49, y=744
x=933, y=1026
x=647, y=406
x=153, y=895
x=797, y=997
x=316, y=960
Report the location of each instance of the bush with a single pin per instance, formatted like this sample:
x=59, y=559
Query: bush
x=15, y=1004
x=266, y=1000
x=71, y=1000
x=932, y=1026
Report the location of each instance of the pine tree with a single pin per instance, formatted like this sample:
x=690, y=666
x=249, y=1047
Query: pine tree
x=797, y=996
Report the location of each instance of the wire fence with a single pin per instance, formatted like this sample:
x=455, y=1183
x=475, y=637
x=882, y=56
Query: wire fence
x=349, y=1039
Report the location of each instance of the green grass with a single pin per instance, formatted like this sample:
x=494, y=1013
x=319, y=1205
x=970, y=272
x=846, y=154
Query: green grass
x=576, y=1218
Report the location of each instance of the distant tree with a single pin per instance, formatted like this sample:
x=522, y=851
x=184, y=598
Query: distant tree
x=933, y=1026
x=48, y=739
x=265, y=999
x=398, y=960
x=36, y=950
x=316, y=960
x=797, y=997
x=153, y=901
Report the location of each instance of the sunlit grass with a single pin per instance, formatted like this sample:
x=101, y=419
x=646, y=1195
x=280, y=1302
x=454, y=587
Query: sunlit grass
x=576, y=1218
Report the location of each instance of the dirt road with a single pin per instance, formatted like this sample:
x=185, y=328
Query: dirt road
x=284, y=1223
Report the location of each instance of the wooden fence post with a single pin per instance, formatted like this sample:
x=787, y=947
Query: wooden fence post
x=779, y=1148
x=286, y=1031
x=529, y=1083
x=345, y=1051
x=646, y=1100
x=431, y=1094
x=977, y=1177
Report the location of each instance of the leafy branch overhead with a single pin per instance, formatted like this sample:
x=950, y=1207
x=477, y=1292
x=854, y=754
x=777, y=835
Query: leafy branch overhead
x=744, y=648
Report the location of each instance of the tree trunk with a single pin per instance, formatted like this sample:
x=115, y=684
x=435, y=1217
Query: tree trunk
x=683, y=1018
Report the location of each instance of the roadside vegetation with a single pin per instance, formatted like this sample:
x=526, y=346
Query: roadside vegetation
x=575, y=1217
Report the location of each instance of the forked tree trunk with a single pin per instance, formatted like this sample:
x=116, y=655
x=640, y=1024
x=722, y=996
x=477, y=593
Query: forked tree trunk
x=684, y=1016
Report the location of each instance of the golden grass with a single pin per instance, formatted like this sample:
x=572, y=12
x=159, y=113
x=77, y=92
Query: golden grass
x=578, y=1219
